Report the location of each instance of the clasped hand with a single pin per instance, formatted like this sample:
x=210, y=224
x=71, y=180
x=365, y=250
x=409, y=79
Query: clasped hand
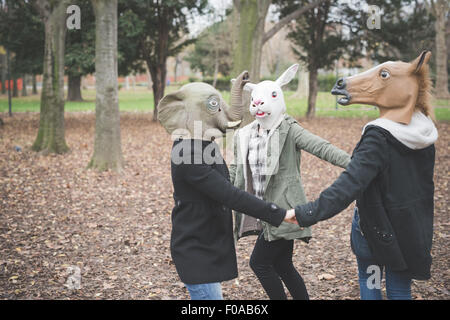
x=290, y=216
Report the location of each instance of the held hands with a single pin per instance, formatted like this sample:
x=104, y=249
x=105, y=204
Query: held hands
x=290, y=216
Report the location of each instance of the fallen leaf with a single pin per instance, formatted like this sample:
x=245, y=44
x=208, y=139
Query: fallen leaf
x=326, y=276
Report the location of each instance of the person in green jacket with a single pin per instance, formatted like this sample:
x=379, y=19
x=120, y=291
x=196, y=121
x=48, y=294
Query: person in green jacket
x=267, y=164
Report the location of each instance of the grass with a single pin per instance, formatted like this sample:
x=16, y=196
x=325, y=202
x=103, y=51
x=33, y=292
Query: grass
x=141, y=100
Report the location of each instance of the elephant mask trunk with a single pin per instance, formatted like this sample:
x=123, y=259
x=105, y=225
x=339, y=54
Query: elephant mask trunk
x=236, y=111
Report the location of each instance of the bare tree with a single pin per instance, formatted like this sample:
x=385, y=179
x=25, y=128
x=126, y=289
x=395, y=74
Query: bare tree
x=249, y=35
x=107, y=146
x=50, y=137
x=440, y=10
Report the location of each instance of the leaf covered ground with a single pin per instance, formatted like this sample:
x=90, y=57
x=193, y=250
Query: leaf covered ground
x=57, y=217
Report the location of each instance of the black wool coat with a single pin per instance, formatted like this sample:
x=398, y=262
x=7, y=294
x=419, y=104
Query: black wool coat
x=202, y=242
x=394, y=189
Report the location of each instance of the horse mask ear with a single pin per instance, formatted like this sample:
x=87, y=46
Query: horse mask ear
x=172, y=112
x=287, y=76
x=421, y=61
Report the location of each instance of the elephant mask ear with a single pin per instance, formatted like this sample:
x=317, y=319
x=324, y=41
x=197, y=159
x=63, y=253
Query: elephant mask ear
x=172, y=112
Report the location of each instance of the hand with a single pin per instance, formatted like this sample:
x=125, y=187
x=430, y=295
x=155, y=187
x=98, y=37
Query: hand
x=290, y=216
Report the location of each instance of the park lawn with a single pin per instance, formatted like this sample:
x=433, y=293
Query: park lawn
x=141, y=100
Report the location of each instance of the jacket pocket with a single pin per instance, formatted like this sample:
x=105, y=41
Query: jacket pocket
x=294, y=195
x=381, y=237
x=409, y=231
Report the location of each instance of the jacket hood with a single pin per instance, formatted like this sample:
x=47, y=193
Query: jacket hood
x=418, y=134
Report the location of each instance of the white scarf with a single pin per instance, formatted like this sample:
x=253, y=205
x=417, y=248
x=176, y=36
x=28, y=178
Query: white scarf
x=418, y=134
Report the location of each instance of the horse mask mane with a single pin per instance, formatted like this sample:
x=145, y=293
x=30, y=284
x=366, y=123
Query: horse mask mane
x=396, y=88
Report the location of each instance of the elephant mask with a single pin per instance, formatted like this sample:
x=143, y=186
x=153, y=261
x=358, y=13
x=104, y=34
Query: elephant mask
x=198, y=111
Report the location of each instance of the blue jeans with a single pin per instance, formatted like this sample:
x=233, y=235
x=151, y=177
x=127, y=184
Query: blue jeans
x=398, y=285
x=205, y=291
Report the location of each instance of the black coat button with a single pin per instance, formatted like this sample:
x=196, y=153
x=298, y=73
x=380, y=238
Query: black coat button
x=309, y=213
x=273, y=207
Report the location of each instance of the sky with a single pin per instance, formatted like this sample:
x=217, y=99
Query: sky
x=198, y=23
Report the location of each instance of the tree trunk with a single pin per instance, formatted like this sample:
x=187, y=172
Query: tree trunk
x=74, y=88
x=303, y=83
x=312, y=96
x=441, y=9
x=15, y=92
x=175, y=72
x=3, y=75
x=158, y=73
x=149, y=79
x=216, y=66
x=50, y=137
x=107, y=146
x=84, y=83
x=24, y=85
x=249, y=17
x=34, y=84
x=249, y=36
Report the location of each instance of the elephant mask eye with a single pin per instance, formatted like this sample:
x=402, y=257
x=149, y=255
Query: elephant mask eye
x=212, y=104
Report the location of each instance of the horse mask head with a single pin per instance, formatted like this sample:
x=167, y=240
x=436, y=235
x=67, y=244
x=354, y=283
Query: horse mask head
x=396, y=88
x=267, y=101
x=197, y=110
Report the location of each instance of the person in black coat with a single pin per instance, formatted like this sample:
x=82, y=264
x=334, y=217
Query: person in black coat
x=202, y=241
x=391, y=178
x=393, y=187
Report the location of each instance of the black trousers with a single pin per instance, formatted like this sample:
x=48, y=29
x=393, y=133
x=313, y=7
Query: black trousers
x=271, y=261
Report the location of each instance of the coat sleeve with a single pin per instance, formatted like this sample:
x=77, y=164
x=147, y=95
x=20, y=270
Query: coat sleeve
x=368, y=160
x=208, y=181
x=319, y=147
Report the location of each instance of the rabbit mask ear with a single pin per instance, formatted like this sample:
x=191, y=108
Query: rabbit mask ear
x=249, y=86
x=287, y=76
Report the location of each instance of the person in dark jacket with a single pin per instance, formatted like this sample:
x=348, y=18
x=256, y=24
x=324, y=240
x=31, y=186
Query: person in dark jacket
x=202, y=242
x=390, y=176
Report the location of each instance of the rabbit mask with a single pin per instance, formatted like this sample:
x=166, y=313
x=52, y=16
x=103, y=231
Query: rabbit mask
x=267, y=101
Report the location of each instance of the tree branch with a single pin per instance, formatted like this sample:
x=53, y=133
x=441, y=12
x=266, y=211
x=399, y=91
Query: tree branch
x=178, y=47
x=292, y=16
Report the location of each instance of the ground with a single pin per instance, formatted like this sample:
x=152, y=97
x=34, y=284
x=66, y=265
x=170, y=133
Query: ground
x=56, y=217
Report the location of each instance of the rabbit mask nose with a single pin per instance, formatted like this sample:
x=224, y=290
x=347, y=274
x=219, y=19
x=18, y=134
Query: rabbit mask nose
x=258, y=102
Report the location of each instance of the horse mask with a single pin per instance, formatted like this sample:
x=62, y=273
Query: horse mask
x=396, y=88
x=197, y=110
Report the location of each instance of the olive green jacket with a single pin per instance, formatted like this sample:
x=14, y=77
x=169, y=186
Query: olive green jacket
x=283, y=181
